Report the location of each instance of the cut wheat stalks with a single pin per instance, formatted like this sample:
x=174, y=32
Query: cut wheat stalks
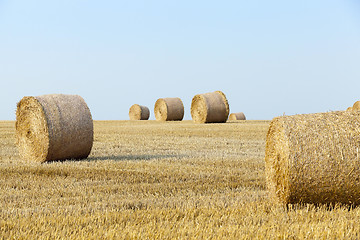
x=53, y=127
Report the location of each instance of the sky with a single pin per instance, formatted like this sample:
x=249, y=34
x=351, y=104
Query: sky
x=269, y=57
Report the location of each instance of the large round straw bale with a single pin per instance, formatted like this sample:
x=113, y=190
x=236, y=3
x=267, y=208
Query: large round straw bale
x=169, y=109
x=237, y=116
x=210, y=108
x=139, y=112
x=53, y=127
x=349, y=109
x=314, y=158
x=356, y=106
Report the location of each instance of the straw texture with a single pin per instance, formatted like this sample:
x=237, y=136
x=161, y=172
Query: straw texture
x=314, y=158
x=210, y=108
x=53, y=127
x=237, y=116
x=356, y=106
x=139, y=112
x=349, y=109
x=169, y=109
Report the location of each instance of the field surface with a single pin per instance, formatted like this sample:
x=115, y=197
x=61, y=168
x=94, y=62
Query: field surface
x=157, y=180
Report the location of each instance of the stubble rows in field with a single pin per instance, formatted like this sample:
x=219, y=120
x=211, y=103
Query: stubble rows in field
x=148, y=179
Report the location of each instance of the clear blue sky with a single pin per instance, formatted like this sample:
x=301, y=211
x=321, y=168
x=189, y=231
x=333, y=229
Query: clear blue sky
x=268, y=57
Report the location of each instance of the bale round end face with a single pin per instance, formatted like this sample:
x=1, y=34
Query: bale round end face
x=356, y=106
x=169, y=109
x=199, y=109
x=276, y=159
x=53, y=127
x=139, y=112
x=31, y=130
x=237, y=116
x=210, y=108
x=314, y=158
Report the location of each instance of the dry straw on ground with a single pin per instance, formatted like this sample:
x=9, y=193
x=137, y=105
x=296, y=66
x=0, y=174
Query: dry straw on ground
x=356, y=106
x=314, y=158
x=237, y=116
x=139, y=112
x=210, y=108
x=169, y=109
x=53, y=127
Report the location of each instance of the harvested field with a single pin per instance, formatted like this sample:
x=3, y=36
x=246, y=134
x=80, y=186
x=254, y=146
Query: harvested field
x=151, y=179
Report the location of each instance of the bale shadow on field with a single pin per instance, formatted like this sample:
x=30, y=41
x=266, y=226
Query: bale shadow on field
x=134, y=157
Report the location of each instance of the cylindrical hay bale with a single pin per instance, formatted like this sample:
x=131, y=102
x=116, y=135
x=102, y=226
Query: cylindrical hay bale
x=314, y=158
x=237, y=116
x=349, y=109
x=53, y=127
x=356, y=106
x=169, y=109
x=210, y=108
x=139, y=112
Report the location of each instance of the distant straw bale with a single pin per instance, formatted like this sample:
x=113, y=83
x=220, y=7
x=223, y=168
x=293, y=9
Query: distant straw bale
x=169, y=109
x=356, y=106
x=53, y=127
x=210, y=108
x=237, y=116
x=314, y=158
x=349, y=109
x=139, y=112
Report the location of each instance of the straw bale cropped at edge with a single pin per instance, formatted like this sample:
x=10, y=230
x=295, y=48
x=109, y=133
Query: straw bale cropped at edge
x=169, y=109
x=237, y=116
x=139, y=112
x=314, y=158
x=210, y=108
x=356, y=106
x=53, y=127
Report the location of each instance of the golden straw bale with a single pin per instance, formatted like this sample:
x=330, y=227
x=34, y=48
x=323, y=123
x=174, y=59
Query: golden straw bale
x=139, y=112
x=169, y=109
x=53, y=127
x=349, y=109
x=356, y=106
x=210, y=108
x=314, y=158
x=237, y=116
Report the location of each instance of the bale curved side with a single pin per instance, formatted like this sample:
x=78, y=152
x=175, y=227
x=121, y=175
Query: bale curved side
x=225, y=102
x=237, y=116
x=169, y=109
x=210, y=108
x=349, y=109
x=53, y=127
x=313, y=158
x=139, y=112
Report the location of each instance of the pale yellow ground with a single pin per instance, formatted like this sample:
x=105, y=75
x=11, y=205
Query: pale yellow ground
x=153, y=180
